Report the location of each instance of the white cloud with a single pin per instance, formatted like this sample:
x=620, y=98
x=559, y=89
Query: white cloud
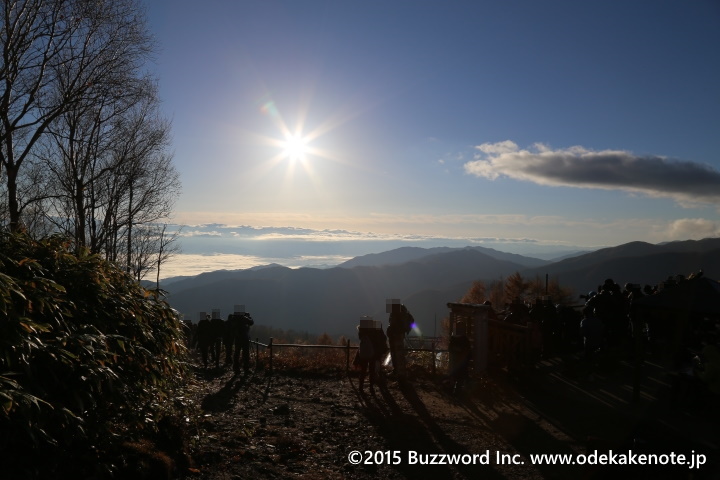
x=200, y=233
x=195, y=264
x=696, y=228
x=499, y=148
x=683, y=181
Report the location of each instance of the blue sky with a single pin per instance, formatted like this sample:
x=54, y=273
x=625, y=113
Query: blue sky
x=517, y=123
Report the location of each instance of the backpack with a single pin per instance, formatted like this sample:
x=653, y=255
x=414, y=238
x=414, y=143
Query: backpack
x=366, y=350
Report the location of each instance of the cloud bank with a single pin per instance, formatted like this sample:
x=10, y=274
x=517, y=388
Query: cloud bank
x=683, y=181
x=684, y=228
x=218, y=234
x=209, y=247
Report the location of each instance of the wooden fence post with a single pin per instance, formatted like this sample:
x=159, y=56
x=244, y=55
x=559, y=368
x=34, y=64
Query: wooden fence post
x=270, y=346
x=257, y=353
x=433, y=356
x=347, y=356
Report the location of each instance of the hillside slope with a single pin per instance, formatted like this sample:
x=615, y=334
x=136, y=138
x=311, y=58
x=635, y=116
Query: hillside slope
x=635, y=262
x=332, y=300
x=409, y=254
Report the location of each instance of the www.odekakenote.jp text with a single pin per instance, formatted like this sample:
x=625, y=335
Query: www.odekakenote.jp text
x=692, y=460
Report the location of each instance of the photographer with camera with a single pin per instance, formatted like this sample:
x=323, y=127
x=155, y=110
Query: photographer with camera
x=238, y=337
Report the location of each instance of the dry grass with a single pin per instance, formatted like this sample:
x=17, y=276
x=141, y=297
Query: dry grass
x=310, y=359
x=323, y=357
x=315, y=360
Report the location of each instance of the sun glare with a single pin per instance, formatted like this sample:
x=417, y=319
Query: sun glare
x=295, y=147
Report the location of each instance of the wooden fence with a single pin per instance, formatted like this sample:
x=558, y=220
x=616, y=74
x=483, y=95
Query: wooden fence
x=272, y=346
x=505, y=345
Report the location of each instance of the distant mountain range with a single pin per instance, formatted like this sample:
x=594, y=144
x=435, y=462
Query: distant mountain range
x=636, y=262
x=408, y=254
x=332, y=300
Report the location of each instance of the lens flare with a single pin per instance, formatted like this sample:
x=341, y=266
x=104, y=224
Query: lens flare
x=295, y=147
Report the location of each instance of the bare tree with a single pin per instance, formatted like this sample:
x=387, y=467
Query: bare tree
x=167, y=248
x=78, y=154
x=152, y=246
x=84, y=149
x=57, y=55
x=111, y=169
x=149, y=183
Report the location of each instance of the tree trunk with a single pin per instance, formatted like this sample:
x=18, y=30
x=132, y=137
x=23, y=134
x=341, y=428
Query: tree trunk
x=13, y=204
x=129, y=230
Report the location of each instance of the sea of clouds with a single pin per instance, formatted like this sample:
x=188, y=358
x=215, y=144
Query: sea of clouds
x=213, y=247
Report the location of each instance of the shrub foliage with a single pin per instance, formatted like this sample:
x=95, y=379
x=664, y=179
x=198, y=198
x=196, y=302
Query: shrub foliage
x=87, y=359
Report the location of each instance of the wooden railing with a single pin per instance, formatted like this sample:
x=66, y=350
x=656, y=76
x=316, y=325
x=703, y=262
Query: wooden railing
x=507, y=345
x=271, y=346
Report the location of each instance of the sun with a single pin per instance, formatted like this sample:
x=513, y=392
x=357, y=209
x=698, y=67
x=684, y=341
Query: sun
x=302, y=146
x=295, y=147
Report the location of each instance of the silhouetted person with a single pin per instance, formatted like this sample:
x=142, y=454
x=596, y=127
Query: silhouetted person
x=366, y=357
x=609, y=304
x=203, y=339
x=217, y=330
x=400, y=324
x=238, y=338
x=380, y=345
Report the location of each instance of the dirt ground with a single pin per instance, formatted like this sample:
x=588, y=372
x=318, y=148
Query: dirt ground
x=301, y=424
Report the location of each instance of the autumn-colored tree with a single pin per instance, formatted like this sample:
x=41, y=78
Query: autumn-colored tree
x=503, y=291
x=325, y=339
x=540, y=287
x=515, y=286
x=476, y=293
x=536, y=287
x=497, y=294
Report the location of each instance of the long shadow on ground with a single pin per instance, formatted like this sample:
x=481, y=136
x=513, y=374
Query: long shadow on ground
x=417, y=431
x=221, y=400
x=578, y=408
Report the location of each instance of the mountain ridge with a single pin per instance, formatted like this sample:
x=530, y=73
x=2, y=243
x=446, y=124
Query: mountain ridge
x=332, y=300
x=406, y=254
